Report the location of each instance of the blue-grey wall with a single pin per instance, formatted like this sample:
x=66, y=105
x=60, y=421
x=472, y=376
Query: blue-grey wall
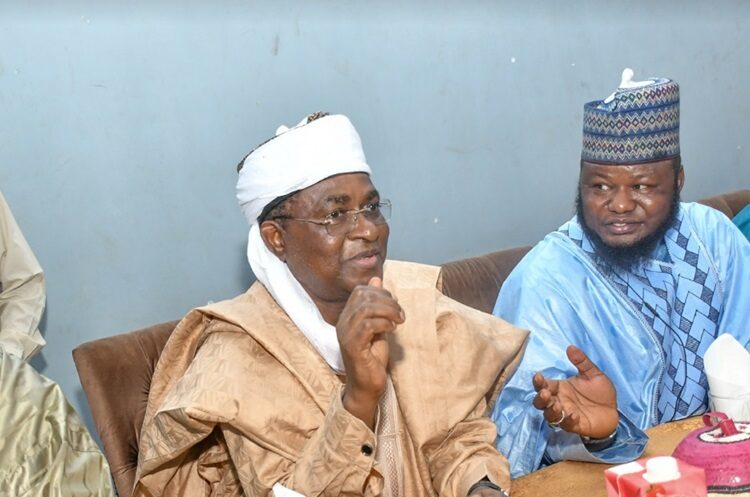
x=121, y=124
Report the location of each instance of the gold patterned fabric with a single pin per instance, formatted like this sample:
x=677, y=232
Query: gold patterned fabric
x=240, y=400
x=389, y=455
x=45, y=451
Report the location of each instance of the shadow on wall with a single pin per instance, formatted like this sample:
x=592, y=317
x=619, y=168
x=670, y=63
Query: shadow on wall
x=85, y=415
x=38, y=362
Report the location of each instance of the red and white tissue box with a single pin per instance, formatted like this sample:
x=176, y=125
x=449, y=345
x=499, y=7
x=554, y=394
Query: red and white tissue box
x=655, y=477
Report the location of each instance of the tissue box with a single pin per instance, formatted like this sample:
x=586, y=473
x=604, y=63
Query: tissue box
x=656, y=477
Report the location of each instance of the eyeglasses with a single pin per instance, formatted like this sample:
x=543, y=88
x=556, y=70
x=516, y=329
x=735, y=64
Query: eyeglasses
x=341, y=222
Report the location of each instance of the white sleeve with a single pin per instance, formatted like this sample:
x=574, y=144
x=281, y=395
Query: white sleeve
x=22, y=295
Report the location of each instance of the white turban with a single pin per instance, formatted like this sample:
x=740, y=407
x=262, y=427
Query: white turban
x=297, y=158
x=293, y=160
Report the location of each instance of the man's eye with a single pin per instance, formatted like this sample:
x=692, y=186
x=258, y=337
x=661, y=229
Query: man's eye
x=640, y=188
x=600, y=186
x=373, y=207
x=335, y=215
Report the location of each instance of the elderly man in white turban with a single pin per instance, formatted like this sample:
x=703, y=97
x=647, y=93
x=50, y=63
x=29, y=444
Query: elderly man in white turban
x=336, y=373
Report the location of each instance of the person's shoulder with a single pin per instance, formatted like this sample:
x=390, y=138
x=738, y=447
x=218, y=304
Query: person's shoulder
x=552, y=277
x=218, y=317
x=549, y=260
x=703, y=215
x=403, y=274
x=708, y=223
x=255, y=296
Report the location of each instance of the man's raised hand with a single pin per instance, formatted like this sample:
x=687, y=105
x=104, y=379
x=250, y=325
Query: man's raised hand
x=585, y=404
x=370, y=313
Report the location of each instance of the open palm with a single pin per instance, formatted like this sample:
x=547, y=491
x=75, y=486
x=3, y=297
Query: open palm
x=586, y=403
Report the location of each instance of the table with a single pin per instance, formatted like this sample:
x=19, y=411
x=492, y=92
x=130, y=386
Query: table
x=577, y=479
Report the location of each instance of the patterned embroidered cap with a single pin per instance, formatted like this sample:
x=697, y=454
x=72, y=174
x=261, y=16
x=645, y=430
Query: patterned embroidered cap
x=639, y=122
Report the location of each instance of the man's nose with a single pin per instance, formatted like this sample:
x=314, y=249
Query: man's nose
x=362, y=227
x=622, y=201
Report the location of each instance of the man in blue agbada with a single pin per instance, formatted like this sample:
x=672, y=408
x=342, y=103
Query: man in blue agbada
x=632, y=290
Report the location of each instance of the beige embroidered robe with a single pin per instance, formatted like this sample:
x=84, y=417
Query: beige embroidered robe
x=240, y=400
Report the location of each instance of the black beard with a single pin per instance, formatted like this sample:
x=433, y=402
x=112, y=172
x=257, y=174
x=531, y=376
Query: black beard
x=628, y=257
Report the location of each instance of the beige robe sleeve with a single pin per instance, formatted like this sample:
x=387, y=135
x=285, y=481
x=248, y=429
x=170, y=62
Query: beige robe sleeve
x=332, y=462
x=467, y=455
x=224, y=388
x=21, y=290
x=327, y=461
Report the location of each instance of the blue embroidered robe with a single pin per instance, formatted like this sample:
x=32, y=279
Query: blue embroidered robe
x=647, y=329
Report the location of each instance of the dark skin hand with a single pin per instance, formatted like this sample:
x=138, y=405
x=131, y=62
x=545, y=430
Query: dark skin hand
x=370, y=313
x=589, y=399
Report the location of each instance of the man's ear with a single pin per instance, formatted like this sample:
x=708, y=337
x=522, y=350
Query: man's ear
x=273, y=236
x=680, y=178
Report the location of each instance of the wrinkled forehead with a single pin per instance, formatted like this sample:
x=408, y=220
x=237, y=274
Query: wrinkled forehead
x=341, y=189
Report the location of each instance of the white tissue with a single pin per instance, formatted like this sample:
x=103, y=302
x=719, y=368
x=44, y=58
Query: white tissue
x=727, y=365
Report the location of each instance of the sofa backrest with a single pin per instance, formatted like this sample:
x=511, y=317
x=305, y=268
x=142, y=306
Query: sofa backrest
x=477, y=280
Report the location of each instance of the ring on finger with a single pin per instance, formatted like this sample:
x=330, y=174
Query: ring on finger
x=557, y=423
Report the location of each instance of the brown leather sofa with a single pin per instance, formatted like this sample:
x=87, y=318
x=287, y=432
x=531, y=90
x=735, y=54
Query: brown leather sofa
x=116, y=372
